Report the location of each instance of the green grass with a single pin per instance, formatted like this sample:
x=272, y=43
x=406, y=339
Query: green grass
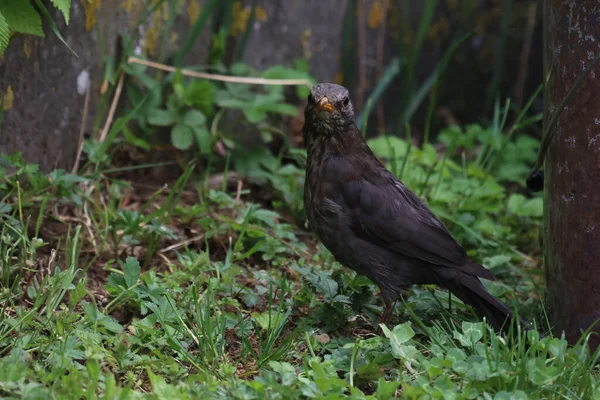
x=116, y=289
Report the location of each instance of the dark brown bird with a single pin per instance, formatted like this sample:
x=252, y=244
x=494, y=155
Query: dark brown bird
x=374, y=224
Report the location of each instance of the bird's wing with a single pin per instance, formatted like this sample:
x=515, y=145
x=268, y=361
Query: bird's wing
x=385, y=212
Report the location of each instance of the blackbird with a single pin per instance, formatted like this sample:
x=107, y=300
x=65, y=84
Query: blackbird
x=374, y=224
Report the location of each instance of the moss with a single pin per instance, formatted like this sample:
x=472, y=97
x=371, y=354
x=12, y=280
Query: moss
x=376, y=15
x=261, y=14
x=193, y=11
x=90, y=13
x=8, y=99
x=152, y=35
x=240, y=15
x=27, y=47
x=305, y=42
x=239, y=18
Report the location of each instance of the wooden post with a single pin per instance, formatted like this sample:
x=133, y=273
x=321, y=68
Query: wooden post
x=572, y=170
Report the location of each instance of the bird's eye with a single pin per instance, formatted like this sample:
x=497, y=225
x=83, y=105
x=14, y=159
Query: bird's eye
x=345, y=101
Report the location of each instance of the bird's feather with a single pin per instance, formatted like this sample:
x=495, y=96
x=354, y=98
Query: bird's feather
x=383, y=211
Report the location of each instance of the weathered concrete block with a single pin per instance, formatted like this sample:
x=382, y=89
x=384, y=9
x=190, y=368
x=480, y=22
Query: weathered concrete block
x=40, y=76
x=46, y=83
x=298, y=29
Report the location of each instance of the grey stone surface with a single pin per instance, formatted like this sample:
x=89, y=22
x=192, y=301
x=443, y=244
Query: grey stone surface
x=45, y=117
x=46, y=114
x=299, y=29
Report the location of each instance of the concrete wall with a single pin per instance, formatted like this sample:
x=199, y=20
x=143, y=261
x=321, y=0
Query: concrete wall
x=44, y=83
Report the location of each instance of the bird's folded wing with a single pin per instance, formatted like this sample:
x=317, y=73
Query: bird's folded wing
x=392, y=217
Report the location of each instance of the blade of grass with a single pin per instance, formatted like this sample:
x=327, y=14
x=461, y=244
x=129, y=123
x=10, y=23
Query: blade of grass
x=391, y=71
x=498, y=122
x=166, y=31
x=195, y=31
x=423, y=28
x=500, y=50
x=114, y=130
x=489, y=163
x=40, y=218
x=133, y=168
x=53, y=26
x=247, y=31
x=425, y=88
x=408, y=149
x=367, y=111
x=348, y=58
x=430, y=109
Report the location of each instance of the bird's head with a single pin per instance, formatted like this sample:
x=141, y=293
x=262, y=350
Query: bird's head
x=329, y=110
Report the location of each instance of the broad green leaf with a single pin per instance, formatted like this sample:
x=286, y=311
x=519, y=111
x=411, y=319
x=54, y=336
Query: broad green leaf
x=203, y=138
x=22, y=17
x=533, y=207
x=253, y=115
x=78, y=293
x=267, y=320
x=160, y=118
x=64, y=6
x=93, y=368
x=455, y=354
x=285, y=370
x=5, y=208
x=326, y=285
x=472, y=333
x=90, y=310
x=240, y=68
x=370, y=371
x=516, y=395
x=194, y=119
x=400, y=335
x=226, y=99
x=280, y=108
x=558, y=347
x=131, y=271
x=520, y=205
x=200, y=94
x=515, y=202
x=182, y=137
x=478, y=368
x=111, y=324
x=281, y=72
x=403, y=333
x=134, y=140
x=541, y=373
x=386, y=390
x=388, y=147
x=115, y=281
x=321, y=281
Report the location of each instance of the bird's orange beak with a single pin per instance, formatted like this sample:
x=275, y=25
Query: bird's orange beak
x=325, y=105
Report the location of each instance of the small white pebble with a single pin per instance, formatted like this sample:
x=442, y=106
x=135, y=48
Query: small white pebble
x=83, y=81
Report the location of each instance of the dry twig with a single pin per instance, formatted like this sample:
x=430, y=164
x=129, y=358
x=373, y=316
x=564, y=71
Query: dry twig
x=113, y=107
x=222, y=78
x=86, y=104
x=181, y=244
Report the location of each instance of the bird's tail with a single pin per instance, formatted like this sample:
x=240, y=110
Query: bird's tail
x=472, y=292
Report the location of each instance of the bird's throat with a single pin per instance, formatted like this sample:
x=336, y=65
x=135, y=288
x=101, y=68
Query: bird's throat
x=332, y=138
